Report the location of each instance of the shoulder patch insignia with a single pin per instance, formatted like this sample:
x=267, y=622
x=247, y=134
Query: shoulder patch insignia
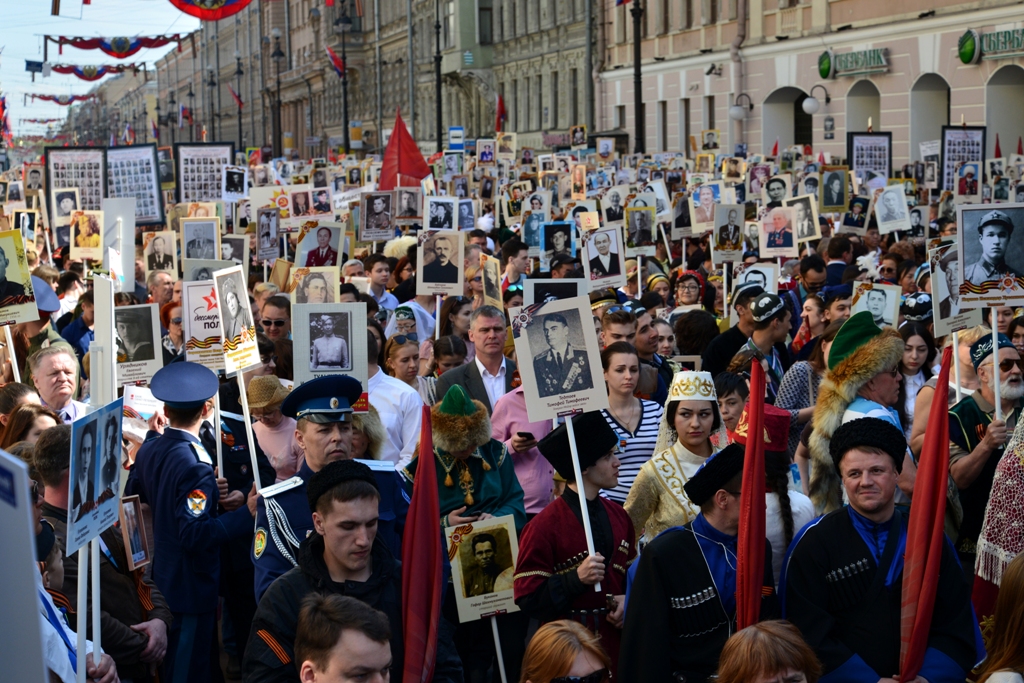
x=259, y=542
x=196, y=503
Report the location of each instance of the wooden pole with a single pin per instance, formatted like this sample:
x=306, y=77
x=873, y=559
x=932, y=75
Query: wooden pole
x=10, y=353
x=584, y=504
x=995, y=361
x=248, y=431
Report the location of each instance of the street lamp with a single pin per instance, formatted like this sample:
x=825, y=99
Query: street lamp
x=172, y=115
x=191, y=113
x=158, y=122
x=212, y=85
x=437, y=70
x=278, y=56
x=238, y=81
x=343, y=25
x=640, y=143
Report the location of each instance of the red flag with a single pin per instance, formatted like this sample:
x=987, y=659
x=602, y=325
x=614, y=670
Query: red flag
x=500, y=115
x=775, y=149
x=925, y=532
x=403, y=161
x=750, y=546
x=421, y=564
x=234, y=95
x=999, y=151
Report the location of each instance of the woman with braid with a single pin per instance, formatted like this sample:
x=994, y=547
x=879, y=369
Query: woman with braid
x=787, y=511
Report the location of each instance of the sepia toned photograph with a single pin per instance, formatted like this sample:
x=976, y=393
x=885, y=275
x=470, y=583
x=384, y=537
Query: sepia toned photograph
x=314, y=285
x=484, y=555
x=439, y=259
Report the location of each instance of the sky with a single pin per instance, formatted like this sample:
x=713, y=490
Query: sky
x=24, y=22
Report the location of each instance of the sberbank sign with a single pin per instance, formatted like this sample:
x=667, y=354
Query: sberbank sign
x=974, y=46
x=832, y=65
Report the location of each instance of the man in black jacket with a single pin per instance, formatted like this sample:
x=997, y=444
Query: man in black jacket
x=342, y=557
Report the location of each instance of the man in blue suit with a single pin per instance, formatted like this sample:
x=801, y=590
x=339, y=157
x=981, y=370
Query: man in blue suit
x=323, y=409
x=174, y=474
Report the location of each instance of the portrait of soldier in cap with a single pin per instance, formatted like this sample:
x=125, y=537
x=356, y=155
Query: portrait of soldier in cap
x=994, y=232
x=561, y=368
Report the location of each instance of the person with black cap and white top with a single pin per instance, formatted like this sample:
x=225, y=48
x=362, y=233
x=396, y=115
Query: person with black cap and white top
x=323, y=409
x=771, y=328
x=681, y=601
x=843, y=579
x=555, y=577
x=345, y=556
x=174, y=475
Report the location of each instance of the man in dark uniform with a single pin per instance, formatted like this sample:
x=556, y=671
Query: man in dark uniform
x=479, y=579
x=843, y=580
x=238, y=577
x=159, y=259
x=323, y=408
x=173, y=473
x=681, y=600
x=345, y=556
x=562, y=368
x=555, y=577
x=8, y=289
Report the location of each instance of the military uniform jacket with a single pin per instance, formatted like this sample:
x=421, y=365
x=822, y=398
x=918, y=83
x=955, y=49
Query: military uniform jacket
x=553, y=546
x=271, y=535
x=554, y=377
x=188, y=535
x=676, y=619
x=835, y=593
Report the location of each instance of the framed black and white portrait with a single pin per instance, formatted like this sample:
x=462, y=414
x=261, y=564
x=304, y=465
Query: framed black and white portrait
x=235, y=248
x=990, y=241
x=440, y=213
x=439, y=262
x=139, y=352
x=236, y=183
x=329, y=339
x=409, y=203
x=881, y=301
x=314, y=285
x=604, y=258
x=200, y=238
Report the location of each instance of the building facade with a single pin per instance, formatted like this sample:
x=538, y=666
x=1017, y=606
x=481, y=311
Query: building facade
x=903, y=72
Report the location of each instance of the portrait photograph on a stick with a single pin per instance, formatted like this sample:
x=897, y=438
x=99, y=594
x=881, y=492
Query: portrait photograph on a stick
x=604, y=258
x=559, y=358
x=200, y=238
x=94, y=474
x=990, y=241
x=375, y=217
x=439, y=259
x=329, y=339
x=137, y=330
x=948, y=314
x=314, y=285
x=236, y=324
x=882, y=301
x=133, y=533
x=483, y=557
x=160, y=251
x=318, y=244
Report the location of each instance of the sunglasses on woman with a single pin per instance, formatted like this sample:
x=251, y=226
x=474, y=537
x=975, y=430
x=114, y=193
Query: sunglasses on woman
x=599, y=676
x=403, y=338
x=269, y=323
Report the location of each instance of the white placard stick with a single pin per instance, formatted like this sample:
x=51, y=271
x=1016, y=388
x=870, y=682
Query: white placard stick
x=216, y=430
x=582, y=493
x=248, y=432
x=956, y=366
x=725, y=290
x=437, y=315
x=94, y=576
x=82, y=603
x=639, y=275
x=668, y=245
x=10, y=353
x=995, y=361
x=497, y=648
x=266, y=273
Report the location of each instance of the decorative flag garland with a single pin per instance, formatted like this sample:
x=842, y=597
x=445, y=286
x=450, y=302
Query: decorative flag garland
x=211, y=11
x=119, y=47
x=63, y=100
x=94, y=73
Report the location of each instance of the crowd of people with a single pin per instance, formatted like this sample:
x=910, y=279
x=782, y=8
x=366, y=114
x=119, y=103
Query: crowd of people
x=306, y=582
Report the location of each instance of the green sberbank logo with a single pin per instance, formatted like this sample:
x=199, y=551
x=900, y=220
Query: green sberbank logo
x=969, y=47
x=826, y=65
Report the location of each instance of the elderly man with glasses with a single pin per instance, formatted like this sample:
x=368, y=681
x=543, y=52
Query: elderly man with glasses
x=978, y=435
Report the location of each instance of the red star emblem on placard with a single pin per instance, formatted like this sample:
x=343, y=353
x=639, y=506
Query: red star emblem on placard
x=211, y=299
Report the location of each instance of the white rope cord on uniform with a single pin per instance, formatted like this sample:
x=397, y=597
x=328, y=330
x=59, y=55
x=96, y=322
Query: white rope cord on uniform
x=276, y=516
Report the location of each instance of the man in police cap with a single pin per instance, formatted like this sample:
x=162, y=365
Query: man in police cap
x=682, y=594
x=994, y=232
x=173, y=473
x=555, y=577
x=323, y=408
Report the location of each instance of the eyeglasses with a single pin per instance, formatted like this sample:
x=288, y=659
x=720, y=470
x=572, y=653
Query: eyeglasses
x=403, y=338
x=268, y=323
x=895, y=371
x=480, y=279
x=688, y=288
x=599, y=676
x=267, y=360
x=175, y=321
x=515, y=288
x=1009, y=363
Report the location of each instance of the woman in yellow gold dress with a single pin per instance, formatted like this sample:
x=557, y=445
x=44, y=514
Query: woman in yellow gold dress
x=691, y=431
